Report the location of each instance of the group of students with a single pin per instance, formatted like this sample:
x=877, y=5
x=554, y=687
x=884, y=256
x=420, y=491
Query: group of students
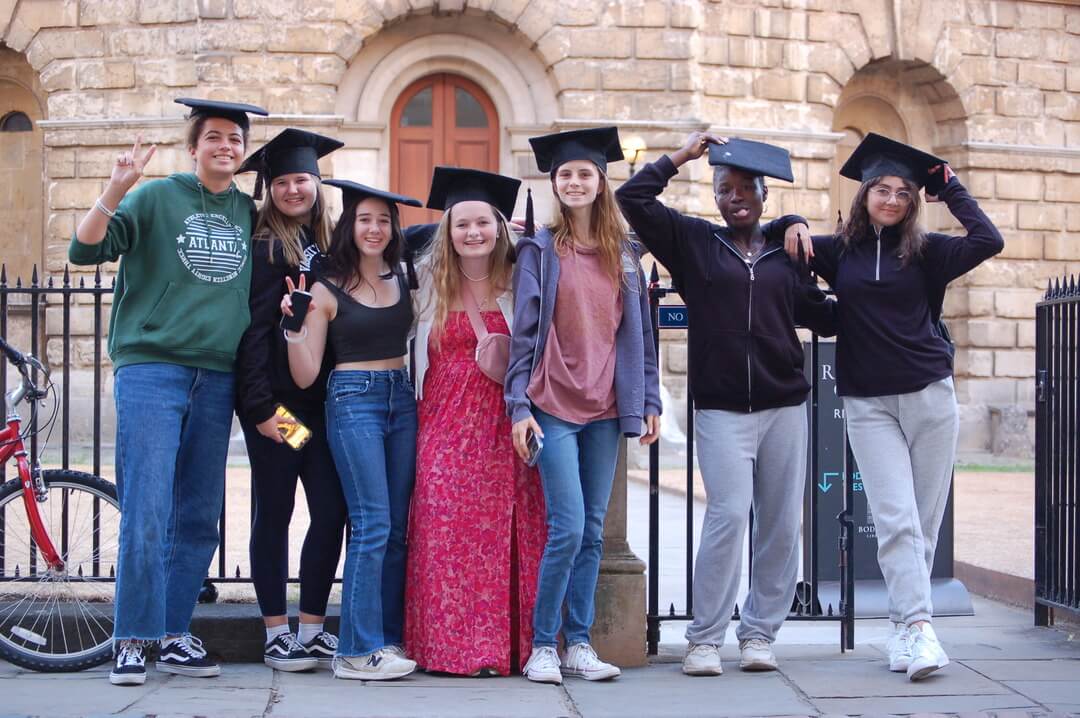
x=466, y=392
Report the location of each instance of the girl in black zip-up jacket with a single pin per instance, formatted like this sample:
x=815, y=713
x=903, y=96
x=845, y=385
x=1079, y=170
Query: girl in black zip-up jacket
x=292, y=233
x=894, y=366
x=744, y=298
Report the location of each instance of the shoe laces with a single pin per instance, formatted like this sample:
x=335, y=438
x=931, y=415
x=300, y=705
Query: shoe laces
x=584, y=654
x=131, y=654
x=291, y=644
x=329, y=639
x=394, y=651
x=756, y=644
x=543, y=657
x=701, y=649
x=191, y=645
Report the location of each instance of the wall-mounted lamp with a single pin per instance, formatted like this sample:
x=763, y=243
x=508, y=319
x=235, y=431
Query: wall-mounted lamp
x=633, y=149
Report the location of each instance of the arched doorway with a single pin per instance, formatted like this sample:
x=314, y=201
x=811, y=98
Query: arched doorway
x=21, y=160
x=441, y=119
x=856, y=118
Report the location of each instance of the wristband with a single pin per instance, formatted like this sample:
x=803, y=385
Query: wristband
x=110, y=213
x=295, y=340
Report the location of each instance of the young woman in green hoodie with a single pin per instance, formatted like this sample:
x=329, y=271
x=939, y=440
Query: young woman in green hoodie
x=179, y=310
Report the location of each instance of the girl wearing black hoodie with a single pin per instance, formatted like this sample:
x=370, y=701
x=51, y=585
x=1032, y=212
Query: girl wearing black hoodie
x=743, y=298
x=894, y=365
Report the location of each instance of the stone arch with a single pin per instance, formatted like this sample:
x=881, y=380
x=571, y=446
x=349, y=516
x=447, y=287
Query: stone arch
x=22, y=213
x=482, y=50
x=908, y=100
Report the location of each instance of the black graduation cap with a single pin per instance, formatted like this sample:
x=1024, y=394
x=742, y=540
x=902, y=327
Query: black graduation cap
x=756, y=158
x=235, y=111
x=354, y=191
x=599, y=145
x=450, y=185
x=291, y=150
x=877, y=156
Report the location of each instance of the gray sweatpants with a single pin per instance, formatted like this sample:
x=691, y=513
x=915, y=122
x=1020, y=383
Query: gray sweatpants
x=905, y=445
x=754, y=459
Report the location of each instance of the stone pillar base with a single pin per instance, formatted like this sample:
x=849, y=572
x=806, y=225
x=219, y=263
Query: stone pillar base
x=618, y=634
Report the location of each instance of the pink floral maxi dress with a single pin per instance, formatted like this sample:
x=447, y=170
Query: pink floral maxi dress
x=476, y=528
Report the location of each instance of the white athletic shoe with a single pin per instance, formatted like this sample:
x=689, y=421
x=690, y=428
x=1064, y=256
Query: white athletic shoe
x=927, y=655
x=581, y=661
x=543, y=666
x=899, y=648
x=702, y=659
x=382, y=665
x=757, y=655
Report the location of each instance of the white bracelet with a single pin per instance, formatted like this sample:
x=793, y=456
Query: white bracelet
x=103, y=209
x=295, y=340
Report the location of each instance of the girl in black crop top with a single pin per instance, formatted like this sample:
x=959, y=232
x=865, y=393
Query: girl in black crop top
x=361, y=306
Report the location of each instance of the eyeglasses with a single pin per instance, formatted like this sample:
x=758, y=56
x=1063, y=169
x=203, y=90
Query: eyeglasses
x=883, y=193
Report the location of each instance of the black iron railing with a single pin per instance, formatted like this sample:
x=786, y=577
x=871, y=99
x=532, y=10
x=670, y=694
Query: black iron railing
x=1057, y=451
x=806, y=605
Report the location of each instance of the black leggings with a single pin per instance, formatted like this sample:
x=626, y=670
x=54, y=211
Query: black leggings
x=274, y=470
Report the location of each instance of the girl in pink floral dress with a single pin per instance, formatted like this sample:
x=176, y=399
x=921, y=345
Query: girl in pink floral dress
x=476, y=530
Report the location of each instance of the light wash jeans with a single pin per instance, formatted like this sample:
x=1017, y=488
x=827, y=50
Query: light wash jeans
x=172, y=439
x=577, y=469
x=371, y=426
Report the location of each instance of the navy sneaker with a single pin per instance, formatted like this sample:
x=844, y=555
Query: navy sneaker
x=323, y=647
x=284, y=653
x=186, y=656
x=130, y=666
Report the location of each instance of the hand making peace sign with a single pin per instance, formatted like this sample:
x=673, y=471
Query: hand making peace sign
x=129, y=165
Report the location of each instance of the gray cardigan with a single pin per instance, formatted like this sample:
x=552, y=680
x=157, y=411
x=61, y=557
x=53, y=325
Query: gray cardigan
x=536, y=280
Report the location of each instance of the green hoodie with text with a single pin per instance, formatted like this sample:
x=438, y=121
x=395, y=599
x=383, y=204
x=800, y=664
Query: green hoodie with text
x=181, y=292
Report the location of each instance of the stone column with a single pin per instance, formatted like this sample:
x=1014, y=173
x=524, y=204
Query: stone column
x=618, y=633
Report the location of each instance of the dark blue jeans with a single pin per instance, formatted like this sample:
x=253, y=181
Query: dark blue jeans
x=172, y=439
x=577, y=469
x=371, y=426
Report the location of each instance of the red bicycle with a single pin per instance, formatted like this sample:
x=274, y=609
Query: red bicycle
x=58, y=547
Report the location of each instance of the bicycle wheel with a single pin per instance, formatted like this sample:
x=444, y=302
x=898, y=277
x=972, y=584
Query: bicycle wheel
x=59, y=620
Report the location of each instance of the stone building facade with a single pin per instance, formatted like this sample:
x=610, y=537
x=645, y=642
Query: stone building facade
x=992, y=85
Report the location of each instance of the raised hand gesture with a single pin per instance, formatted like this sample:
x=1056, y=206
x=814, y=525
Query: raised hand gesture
x=129, y=165
x=695, y=146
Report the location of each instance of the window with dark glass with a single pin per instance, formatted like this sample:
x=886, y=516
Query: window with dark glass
x=16, y=122
x=467, y=110
x=417, y=112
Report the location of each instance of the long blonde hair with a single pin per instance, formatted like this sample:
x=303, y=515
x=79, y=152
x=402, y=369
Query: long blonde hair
x=440, y=263
x=606, y=224
x=274, y=225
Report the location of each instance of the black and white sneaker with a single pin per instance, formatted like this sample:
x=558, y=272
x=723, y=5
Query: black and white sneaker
x=323, y=647
x=284, y=653
x=186, y=656
x=130, y=666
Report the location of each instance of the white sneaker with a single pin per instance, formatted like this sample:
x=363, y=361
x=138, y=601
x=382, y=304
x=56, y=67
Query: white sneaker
x=757, y=655
x=702, y=659
x=581, y=661
x=543, y=665
x=899, y=648
x=927, y=655
x=382, y=665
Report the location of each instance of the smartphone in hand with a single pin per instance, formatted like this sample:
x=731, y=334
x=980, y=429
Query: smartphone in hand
x=301, y=300
x=535, y=444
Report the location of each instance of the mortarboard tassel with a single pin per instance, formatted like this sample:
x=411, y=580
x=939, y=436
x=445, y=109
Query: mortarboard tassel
x=410, y=270
x=530, y=226
x=839, y=222
x=257, y=194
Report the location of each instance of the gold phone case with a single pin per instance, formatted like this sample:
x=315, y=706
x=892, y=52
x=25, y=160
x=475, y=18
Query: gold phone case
x=295, y=434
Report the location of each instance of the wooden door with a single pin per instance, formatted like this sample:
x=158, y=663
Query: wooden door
x=440, y=119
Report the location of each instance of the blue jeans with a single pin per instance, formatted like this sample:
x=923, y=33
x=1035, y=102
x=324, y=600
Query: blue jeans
x=172, y=439
x=371, y=426
x=577, y=468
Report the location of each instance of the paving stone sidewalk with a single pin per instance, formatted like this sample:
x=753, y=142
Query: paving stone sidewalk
x=1002, y=666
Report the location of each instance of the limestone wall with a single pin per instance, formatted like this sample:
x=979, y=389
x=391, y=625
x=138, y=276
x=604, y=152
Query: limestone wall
x=994, y=86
